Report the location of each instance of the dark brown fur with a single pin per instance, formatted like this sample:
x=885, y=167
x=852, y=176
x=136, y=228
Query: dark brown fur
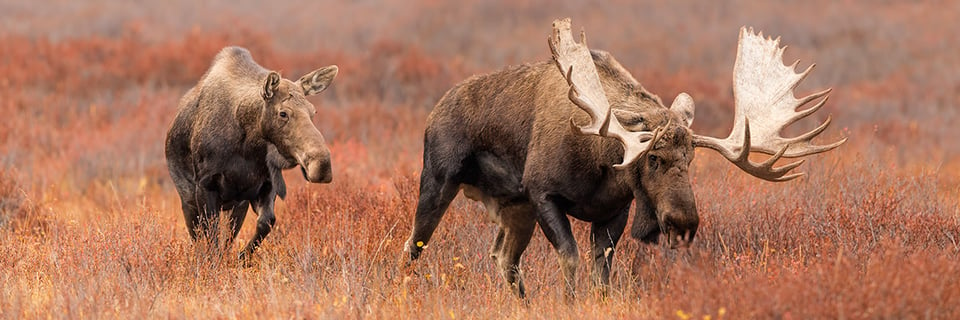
x=506, y=139
x=234, y=133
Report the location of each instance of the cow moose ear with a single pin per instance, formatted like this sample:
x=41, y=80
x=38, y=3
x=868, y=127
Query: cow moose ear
x=271, y=85
x=318, y=80
x=683, y=105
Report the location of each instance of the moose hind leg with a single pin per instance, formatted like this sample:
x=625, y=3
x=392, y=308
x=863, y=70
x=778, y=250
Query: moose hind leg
x=492, y=206
x=209, y=220
x=516, y=228
x=436, y=193
x=604, y=237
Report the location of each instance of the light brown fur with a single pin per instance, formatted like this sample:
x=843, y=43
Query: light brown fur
x=235, y=131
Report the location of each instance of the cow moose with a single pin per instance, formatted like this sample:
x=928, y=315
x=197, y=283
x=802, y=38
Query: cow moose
x=579, y=136
x=234, y=133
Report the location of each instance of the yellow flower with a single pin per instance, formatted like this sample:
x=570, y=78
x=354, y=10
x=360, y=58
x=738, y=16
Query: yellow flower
x=419, y=244
x=683, y=315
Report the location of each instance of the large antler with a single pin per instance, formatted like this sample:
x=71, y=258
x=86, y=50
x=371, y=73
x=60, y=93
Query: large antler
x=586, y=92
x=765, y=104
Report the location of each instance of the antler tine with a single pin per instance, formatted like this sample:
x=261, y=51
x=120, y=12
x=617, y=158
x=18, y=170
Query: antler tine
x=808, y=111
x=587, y=93
x=763, y=170
x=612, y=128
x=763, y=91
x=599, y=123
x=802, y=145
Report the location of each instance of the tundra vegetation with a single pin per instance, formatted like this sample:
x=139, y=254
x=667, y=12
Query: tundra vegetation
x=92, y=225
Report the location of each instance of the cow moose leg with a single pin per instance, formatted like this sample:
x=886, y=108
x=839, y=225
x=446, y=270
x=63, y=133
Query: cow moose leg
x=210, y=218
x=265, y=221
x=604, y=237
x=436, y=193
x=556, y=227
x=237, y=215
x=517, y=223
x=191, y=216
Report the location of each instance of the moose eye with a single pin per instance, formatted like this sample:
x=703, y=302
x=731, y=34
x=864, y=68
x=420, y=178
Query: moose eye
x=283, y=114
x=653, y=162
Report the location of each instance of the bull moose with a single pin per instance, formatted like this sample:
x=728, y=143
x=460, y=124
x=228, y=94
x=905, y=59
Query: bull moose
x=579, y=136
x=234, y=133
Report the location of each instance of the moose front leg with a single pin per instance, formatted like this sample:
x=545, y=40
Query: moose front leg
x=265, y=221
x=604, y=237
x=556, y=227
x=237, y=215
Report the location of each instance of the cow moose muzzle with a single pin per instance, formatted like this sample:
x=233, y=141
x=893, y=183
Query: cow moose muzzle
x=317, y=169
x=315, y=164
x=311, y=153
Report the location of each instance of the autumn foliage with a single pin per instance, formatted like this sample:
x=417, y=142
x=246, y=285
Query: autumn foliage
x=91, y=225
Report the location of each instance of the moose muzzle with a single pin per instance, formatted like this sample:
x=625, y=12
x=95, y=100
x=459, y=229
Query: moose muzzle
x=316, y=166
x=677, y=215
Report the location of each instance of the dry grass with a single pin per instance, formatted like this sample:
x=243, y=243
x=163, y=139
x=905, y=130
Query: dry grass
x=91, y=224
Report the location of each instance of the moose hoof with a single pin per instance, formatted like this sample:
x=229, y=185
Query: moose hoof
x=414, y=249
x=245, y=258
x=414, y=253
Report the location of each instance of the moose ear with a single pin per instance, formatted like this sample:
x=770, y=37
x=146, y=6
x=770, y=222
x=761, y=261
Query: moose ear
x=318, y=80
x=271, y=85
x=630, y=120
x=683, y=105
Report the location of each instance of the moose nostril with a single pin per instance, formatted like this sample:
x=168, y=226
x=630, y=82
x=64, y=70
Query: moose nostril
x=325, y=165
x=324, y=168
